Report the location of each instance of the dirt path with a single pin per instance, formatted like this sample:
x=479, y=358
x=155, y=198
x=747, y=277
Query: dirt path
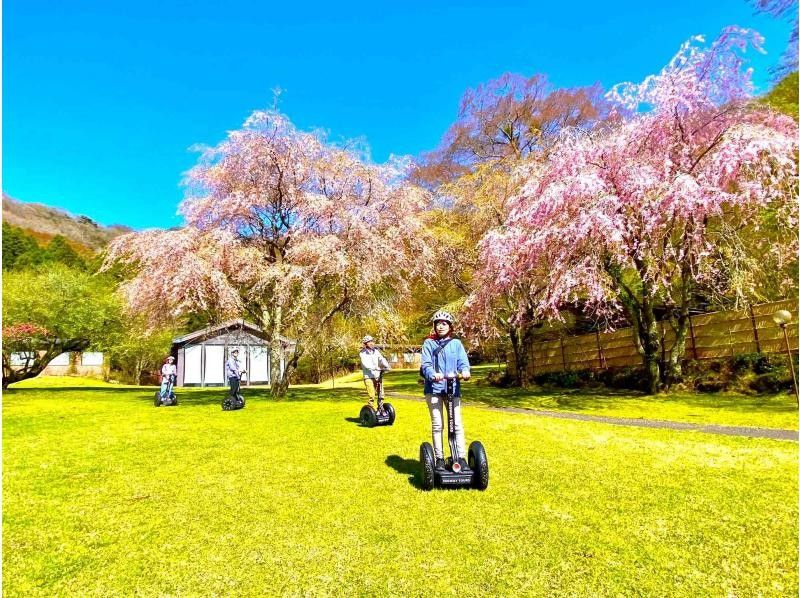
x=773, y=433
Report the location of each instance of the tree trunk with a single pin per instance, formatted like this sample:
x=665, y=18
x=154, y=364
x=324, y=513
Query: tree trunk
x=279, y=390
x=646, y=337
x=281, y=384
x=527, y=348
x=274, y=318
x=277, y=379
x=317, y=370
x=651, y=345
x=34, y=367
x=137, y=371
x=680, y=324
x=520, y=355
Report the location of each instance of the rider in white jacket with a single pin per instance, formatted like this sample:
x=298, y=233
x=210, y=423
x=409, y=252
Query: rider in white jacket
x=168, y=370
x=372, y=362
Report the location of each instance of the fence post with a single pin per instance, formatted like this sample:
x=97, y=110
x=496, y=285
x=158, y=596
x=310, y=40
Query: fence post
x=563, y=357
x=694, y=342
x=755, y=330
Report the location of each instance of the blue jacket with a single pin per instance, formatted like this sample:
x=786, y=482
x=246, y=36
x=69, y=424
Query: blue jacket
x=452, y=359
x=232, y=368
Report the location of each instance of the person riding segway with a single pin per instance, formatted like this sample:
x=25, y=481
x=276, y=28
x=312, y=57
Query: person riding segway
x=166, y=395
x=444, y=365
x=373, y=366
x=234, y=400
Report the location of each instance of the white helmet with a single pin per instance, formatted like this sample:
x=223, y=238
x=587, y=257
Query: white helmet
x=367, y=339
x=443, y=316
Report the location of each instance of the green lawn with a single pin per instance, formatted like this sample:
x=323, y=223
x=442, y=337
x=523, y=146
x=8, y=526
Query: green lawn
x=732, y=409
x=105, y=494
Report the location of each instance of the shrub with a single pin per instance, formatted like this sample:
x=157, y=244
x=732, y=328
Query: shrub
x=758, y=363
x=627, y=378
x=571, y=379
x=711, y=382
x=500, y=379
x=772, y=382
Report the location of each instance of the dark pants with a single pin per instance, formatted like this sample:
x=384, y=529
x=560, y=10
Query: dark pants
x=234, y=384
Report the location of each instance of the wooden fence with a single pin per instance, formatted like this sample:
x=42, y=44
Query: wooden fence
x=711, y=335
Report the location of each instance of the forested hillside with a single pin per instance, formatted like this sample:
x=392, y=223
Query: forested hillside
x=44, y=223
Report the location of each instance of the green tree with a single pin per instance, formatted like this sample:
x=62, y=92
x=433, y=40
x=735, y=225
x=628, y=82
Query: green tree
x=65, y=310
x=58, y=250
x=784, y=96
x=136, y=349
x=19, y=248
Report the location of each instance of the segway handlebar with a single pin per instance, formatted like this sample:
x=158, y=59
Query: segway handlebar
x=453, y=376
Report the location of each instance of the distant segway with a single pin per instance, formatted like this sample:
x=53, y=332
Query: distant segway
x=384, y=415
x=233, y=403
x=476, y=475
x=169, y=399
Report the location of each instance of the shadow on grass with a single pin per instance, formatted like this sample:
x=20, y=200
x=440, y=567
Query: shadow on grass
x=200, y=397
x=188, y=397
x=405, y=382
x=409, y=467
x=82, y=389
x=592, y=399
x=353, y=420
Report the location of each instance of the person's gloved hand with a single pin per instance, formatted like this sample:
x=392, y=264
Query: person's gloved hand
x=465, y=375
x=438, y=376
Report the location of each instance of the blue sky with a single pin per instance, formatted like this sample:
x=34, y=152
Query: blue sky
x=102, y=100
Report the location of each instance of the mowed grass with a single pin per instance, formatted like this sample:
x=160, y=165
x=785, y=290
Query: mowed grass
x=731, y=409
x=105, y=494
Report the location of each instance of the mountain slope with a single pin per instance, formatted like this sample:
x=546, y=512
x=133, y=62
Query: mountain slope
x=45, y=222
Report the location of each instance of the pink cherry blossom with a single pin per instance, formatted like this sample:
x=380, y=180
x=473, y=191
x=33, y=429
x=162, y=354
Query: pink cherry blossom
x=644, y=211
x=281, y=227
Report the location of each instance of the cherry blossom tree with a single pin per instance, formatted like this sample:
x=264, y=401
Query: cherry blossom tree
x=500, y=123
x=640, y=214
x=787, y=10
x=284, y=228
x=511, y=116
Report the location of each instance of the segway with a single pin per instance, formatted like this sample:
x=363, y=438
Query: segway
x=169, y=399
x=475, y=475
x=234, y=402
x=384, y=415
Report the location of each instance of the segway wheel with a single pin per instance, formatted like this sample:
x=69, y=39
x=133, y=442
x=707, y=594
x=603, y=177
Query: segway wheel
x=428, y=463
x=226, y=405
x=479, y=464
x=157, y=401
x=241, y=401
x=367, y=417
x=174, y=400
x=387, y=407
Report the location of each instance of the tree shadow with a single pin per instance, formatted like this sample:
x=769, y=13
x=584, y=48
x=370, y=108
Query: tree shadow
x=86, y=389
x=196, y=397
x=409, y=467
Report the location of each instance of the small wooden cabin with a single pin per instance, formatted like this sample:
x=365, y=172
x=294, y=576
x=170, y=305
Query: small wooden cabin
x=201, y=355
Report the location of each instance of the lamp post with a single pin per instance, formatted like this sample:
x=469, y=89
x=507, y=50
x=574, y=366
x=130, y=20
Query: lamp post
x=782, y=318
